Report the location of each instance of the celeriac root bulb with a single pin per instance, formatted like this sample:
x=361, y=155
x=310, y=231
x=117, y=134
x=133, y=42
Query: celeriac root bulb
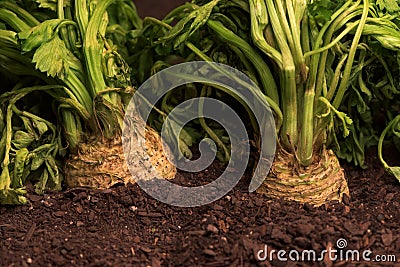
x=321, y=182
x=101, y=164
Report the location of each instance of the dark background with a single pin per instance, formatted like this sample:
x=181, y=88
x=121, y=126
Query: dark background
x=156, y=8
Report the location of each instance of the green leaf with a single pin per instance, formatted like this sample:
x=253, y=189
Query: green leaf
x=37, y=160
x=22, y=139
x=54, y=182
x=190, y=24
x=41, y=127
x=5, y=180
x=28, y=126
x=185, y=137
x=40, y=186
x=36, y=36
x=145, y=64
x=19, y=167
x=54, y=58
x=386, y=33
x=346, y=120
x=195, y=134
x=353, y=148
x=395, y=171
x=228, y=23
x=390, y=6
x=13, y=196
x=322, y=10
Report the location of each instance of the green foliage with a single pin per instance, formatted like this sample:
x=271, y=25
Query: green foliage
x=30, y=147
x=58, y=63
x=322, y=10
x=346, y=69
x=36, y=36
x=54, y=56
x=330, y=70
x=191, y=23
x=390, y=6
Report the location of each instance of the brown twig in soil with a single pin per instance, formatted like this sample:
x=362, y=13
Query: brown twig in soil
x=30, y=233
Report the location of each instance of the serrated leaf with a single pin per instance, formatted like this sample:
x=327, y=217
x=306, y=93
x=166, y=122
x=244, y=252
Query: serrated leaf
x=190, y=24
x=346, y=120
x=322, y=10
x=53, y=58
x=390, y=6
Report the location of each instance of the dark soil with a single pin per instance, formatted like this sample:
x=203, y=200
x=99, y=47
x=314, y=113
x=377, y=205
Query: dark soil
x=125, y=227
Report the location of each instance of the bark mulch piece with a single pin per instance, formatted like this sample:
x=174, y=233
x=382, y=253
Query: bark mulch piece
x=123, y=226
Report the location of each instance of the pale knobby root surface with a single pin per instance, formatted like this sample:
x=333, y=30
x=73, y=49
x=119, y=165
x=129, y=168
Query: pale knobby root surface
x=102, y=164
x=317, y=184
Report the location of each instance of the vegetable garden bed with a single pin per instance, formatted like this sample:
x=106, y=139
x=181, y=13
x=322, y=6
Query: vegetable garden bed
x=125, y=227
